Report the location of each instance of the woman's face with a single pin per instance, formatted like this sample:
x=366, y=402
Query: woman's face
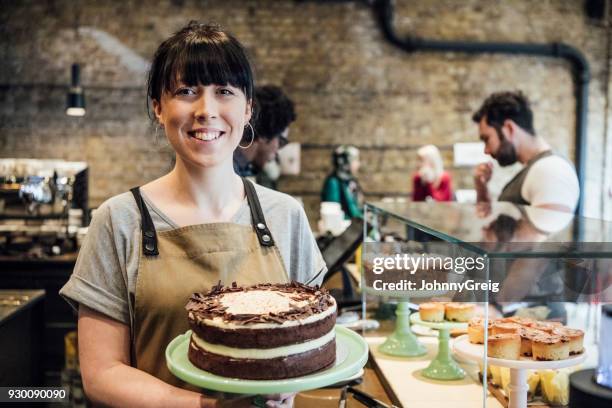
x=425, y=169
x=422, y=162
x=204, y=124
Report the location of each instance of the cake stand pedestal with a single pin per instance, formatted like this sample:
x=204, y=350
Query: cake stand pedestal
x=351, y=356
x=402, y=342
x=518, y=368
x=443, y=366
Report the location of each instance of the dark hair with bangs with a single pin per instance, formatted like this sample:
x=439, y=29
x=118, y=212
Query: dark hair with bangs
x=200, y=54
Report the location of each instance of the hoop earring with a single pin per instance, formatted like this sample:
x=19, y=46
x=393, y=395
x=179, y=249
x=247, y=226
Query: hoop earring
x=252, y=136
x=157, y=142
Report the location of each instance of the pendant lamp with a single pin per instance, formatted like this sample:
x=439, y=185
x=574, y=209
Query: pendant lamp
x=75, y=101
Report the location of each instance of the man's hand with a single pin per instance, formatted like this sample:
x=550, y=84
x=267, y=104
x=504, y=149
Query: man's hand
x=482, y=176
x=483, y=173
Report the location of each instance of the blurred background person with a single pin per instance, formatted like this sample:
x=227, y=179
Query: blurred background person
x=257, y=160
x=431, y=182
x=547, y=180
x=342, y=186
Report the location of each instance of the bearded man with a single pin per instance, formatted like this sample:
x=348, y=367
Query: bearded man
x=547, y=180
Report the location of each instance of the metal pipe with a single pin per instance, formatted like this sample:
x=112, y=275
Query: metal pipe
x=383, y=10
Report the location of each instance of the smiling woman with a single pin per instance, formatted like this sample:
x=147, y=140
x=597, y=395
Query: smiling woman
x=203, y=123
x=201, y=87
x=149, y=250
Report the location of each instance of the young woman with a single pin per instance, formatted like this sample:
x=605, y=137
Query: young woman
x=149, y=249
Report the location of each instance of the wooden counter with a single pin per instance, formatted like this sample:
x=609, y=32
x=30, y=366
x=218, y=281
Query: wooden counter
x=329, y=397
x=49, y=274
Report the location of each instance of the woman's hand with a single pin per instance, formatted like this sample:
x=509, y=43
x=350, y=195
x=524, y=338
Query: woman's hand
x=259, y=401
x=280, y=400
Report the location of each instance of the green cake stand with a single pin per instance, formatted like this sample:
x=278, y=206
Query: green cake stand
x=402, y=342
x=443, y=367
x=351, y=356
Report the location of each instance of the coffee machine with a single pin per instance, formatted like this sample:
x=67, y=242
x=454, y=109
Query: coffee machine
x=43, y=204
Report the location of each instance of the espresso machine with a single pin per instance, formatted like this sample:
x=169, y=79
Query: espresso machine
x=43, y=205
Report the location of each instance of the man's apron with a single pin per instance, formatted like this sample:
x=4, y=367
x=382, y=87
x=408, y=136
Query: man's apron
x=512, y=190
x=176, y=263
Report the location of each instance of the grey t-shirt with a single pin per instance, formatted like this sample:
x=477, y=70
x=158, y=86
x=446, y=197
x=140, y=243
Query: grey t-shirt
x=107, y=265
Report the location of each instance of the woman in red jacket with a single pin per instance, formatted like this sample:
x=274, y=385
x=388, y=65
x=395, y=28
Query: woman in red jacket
x=431, y=182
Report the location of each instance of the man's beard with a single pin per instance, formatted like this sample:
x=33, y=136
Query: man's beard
x=506, y=154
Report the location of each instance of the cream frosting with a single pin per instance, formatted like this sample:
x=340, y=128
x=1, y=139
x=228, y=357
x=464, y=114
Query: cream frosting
x=256, y=353
x=220, y=323
x=259, y=302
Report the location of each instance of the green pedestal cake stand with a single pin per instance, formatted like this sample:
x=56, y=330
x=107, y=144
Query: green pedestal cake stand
x=351, y=356
x=402, y=342
x=443, y=367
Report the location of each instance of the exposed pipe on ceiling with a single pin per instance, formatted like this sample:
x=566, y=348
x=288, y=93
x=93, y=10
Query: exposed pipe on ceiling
x=384, y=11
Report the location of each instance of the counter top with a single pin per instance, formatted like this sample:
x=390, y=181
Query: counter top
x=330, y=397
x=67, y=258
x=13, y=302
x=403, y=378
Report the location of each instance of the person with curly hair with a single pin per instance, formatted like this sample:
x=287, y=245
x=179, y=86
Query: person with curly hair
x=275, y=112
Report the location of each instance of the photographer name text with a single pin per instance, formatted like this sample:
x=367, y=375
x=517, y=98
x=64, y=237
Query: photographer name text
x=406, y=285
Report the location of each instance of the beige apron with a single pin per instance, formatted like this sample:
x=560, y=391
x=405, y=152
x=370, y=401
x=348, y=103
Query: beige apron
x=176, y=263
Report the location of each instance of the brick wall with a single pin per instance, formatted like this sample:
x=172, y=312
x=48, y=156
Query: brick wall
x=349, y=84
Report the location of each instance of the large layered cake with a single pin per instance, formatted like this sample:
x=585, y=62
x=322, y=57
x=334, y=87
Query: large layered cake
x=262, y=332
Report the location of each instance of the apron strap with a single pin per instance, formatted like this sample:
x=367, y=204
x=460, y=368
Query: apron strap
x=149, y=237
x=259, y=222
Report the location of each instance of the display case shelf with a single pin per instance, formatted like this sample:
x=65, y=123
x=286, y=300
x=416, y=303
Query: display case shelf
x=541, y=261
x=547, y=233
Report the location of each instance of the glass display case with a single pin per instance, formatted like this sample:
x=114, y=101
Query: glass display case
x=523, y=271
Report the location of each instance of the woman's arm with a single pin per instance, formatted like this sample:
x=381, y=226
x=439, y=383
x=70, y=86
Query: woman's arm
x=352, y=205
x=419, y=191
x=108, y=379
